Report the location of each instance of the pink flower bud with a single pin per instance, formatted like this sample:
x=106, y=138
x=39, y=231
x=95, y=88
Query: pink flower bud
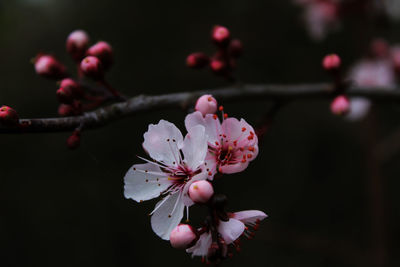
x=72, y=85
x=201, y=191
x=206, y=104
x=77, y=43
x=220, y=35
x=183, y=236
x=49, y=67
x=92, y=67
x=340, y=105
x=8, y=116
x=217, y=66
x=65, y=95
x=331, y=62
x=65, y=110
x=197, y=60
x=103, y=51
x=74, y=140
x=235, y=48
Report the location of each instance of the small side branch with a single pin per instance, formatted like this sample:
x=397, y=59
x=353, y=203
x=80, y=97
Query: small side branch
x=144, y=103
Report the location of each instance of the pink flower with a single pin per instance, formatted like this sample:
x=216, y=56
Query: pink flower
x=230, y=231
x=320, y=17
x=231, y=145
x=370, y=74
x=177, y=163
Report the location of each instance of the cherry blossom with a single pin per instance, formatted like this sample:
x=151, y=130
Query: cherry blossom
x=177, y=163
x=231, y=145
x=369, y=74
x=320, y=17
x=229, y=232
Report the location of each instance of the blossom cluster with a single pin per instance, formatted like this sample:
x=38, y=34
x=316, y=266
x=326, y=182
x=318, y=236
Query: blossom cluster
x=322, y=17
x=224, y=60
x=181, y=172
x=380, y=68
x=77, y=95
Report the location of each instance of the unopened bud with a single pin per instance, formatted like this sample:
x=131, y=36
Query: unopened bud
x=92, y=67
x=65, y=95
x=331, y=62
x=103, y=51
x=8, y=116
x=65, y=110
x=206, y=104
x=201, y=191
x=183, y=236
x=77, y=43
x=72, y=85
x=340, y=105
x=49, y=67
x=74, y=140
x=236, y=48
x=220, y=35
x=197, y=60
x=217, y=66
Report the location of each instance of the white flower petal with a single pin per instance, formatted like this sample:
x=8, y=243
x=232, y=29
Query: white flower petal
x=195, y=147
x=163, y=141
x=202, y=245
x=145, y=181
x=212, y=125
x=231, y=230
x=249, y=216
x=168, y=215
x=359, y=108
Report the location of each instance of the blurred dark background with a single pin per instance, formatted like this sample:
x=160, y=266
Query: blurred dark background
x=331, y=201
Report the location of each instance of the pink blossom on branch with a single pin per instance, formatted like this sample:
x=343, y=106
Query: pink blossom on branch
x=239, y=224
x=232, y=144
x=177, y=163
x=370, y=73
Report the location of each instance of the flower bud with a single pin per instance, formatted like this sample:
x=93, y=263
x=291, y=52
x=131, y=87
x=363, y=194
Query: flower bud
x=103, y=51
x=183, y=236
x=340, y=105
x=74, y=140
x=92, y=67
x=235, y=48
x=65, y=95
x=201, y=191
x=65, y=110
x=197, y=60
x=8, y=116
x=206, y=104
x=77, y=43
x=331, y=62
x=217, y=66
x=220, y=35
x=72, y=85
x=49, y=67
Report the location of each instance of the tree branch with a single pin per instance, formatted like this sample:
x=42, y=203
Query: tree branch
x=143, y=103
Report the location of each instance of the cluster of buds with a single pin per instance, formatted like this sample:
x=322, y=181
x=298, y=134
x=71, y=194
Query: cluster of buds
x=74, y=94
x=182, y=170
x=224, y=61
x=340, y=105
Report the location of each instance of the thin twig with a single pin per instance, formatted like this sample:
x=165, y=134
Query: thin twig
x=143, y=103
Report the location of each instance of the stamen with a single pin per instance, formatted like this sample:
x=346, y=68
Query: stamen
x=159, y=205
